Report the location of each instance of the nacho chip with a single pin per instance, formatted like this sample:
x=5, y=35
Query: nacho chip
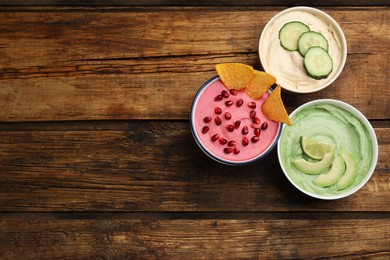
x=274, y=109
x=234, y=75
x=260, y=83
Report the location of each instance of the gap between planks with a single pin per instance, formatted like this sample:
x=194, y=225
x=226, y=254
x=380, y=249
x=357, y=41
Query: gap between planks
x=117, y=215
x=103, y=125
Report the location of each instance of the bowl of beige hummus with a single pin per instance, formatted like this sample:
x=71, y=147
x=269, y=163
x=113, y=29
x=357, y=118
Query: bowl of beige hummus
x=290, y=66
x=330, y=151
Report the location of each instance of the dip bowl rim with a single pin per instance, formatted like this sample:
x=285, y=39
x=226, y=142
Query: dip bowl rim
x=359, y=115
x=207, y=151
x=338, y=30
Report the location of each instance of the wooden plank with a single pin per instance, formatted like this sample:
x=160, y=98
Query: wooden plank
x=192, y=2
x=152, y=166
x=72, y=64
x=194, y=239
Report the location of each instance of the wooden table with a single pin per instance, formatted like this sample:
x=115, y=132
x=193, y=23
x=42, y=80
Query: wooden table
x=97, y=160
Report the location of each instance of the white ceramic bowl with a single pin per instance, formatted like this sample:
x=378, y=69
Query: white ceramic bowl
x=323, y=128
x=268, y=137
x=287, y=66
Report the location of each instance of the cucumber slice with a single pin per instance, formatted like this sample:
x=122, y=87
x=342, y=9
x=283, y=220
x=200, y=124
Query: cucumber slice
x=290, y=33
x=318, y=63
x=311, y=39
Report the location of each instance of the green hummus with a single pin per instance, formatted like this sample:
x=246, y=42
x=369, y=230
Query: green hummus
x=330, y=124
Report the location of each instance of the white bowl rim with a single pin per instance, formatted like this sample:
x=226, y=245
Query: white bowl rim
x=336, y=27
x=370, y=130
x=213, y=155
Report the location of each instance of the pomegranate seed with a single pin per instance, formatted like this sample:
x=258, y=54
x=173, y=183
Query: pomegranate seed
x=225, y=94
x=245, y=141
x=218, y=120
x=207, y=119
x=230, y=128
x=215, y=137
x=232, y=143
x=228, y=150
x=257, y=131
x=222, y=140
x=237, y=124
x=239, y=102
x=228, y=103
x=252, y=105
x=252, y=114
x=264, y=126
x=228, y=115
x=233, y=92
x=245, y=130
x=218, y=110
x=218, y=98
x=255, y=139
x=256, y=120
x=236, y=150
x=205, y=129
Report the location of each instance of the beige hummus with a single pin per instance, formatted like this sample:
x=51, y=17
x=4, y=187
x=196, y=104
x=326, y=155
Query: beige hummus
x=287, y=66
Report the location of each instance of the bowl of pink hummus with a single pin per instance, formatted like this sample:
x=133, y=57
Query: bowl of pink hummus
x=229, y=126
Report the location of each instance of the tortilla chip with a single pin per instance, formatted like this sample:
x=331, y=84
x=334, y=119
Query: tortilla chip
x=274, y=109
x=234, y=75
x=260, y=83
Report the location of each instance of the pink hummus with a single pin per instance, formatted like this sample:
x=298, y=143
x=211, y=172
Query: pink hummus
x=204, y=106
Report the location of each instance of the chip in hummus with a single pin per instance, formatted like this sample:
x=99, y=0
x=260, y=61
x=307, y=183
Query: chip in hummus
x=260, y=83
x=273, y=108
x=234, y=75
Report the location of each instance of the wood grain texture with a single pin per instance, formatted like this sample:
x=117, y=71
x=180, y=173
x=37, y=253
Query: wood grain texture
x=147, y=63
x=190, y=239
x=192, y=2
x=152, y=166
x=97, y=160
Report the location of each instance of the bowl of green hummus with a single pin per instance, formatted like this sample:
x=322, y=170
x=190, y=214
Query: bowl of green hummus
x=330, y=151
